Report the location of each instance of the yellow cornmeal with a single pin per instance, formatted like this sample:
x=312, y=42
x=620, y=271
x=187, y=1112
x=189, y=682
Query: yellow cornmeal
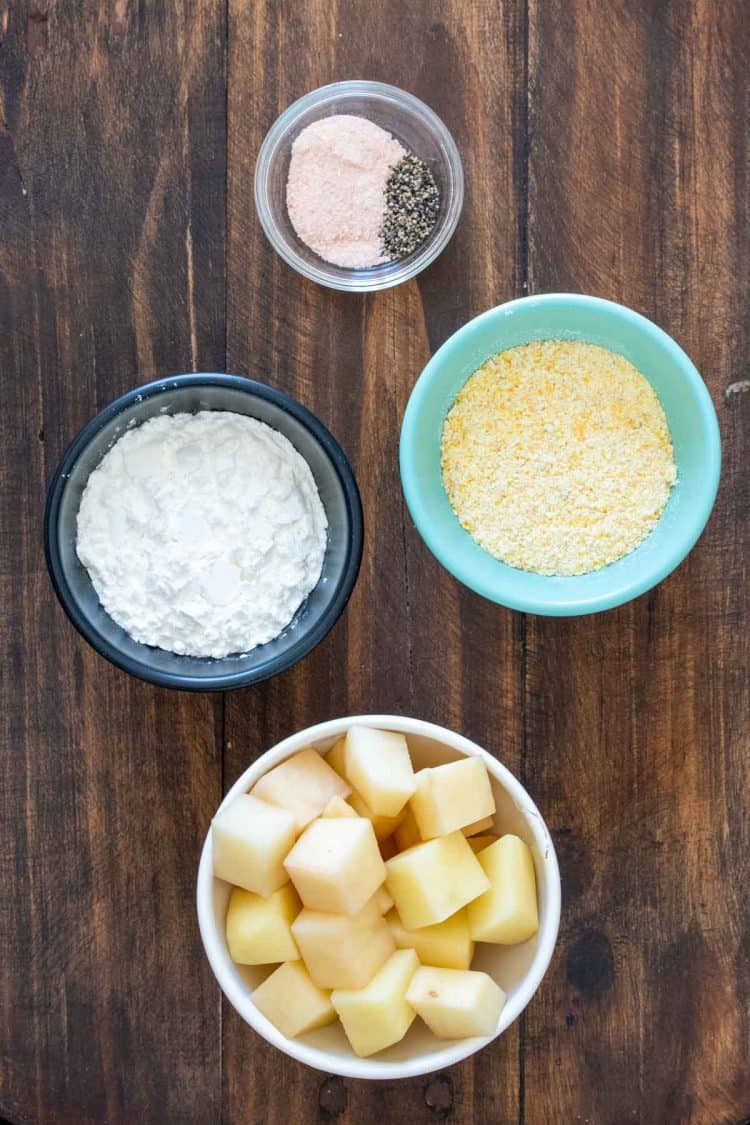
x=556, y=457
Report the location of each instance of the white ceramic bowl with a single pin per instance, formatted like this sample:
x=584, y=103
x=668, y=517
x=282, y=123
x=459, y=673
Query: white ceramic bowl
x=517, y=969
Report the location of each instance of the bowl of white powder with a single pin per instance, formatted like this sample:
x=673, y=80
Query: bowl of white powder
x=359, y=186
x=204, y=532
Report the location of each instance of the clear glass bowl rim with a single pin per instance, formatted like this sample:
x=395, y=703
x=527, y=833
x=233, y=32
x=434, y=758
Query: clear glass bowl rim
x=358, y=282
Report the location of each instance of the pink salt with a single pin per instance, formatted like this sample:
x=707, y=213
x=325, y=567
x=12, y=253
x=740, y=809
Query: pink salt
x=335, y=193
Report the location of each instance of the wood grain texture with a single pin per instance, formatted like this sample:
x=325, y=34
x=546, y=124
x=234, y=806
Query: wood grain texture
x=637, y=720
x=111, y=270
x=605, y=150
x=412, y=641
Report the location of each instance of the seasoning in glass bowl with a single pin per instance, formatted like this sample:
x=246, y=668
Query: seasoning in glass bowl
x=412, y=207
x=356, y=196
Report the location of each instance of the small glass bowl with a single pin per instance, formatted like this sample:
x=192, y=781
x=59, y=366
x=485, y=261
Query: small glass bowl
x=412, y=123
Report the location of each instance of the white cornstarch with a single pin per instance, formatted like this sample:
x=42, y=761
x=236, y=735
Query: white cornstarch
x=202, y=533
x=557, y=458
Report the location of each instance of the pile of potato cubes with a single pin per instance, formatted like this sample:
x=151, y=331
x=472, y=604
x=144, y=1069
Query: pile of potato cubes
x=368, y=884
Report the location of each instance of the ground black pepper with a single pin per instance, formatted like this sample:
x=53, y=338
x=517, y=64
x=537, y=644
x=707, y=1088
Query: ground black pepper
x=412, y=207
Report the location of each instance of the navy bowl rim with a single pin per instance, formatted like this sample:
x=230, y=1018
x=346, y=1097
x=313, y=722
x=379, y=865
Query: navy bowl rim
x=310, y=639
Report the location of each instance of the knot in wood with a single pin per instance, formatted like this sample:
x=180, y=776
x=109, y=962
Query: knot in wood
x=438, y=1094
x=332, y=1098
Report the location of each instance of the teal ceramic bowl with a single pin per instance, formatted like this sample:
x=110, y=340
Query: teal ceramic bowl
x=692, y=423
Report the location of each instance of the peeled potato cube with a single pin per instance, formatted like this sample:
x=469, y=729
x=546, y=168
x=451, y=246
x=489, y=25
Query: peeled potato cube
x=479, y=843
x=384, y=826
x=456, y=1003
x=250, y=840
x=378, y=1015
x=383, y=899
x=379, y=767
x=407, y=833
x=303, y=784
x=340, y=951
x=451, y=796
x=507, y=912
x=290, y=1000
x=335, y=757
x=447, y=944
x=336, y=864
x=258, y=929
x=431, y=881
x=483, y=825
x=338, y=807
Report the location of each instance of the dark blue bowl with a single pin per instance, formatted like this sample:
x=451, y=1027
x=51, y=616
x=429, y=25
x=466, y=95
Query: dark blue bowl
x=338, y=492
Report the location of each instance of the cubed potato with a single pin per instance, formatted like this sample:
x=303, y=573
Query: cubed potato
x=338, y=807
x=258, y=929
x=447, y=944
x=336, y=864
x=303, y=784
x=290, y=1000
x=384, y=826
x=378, y=1015
x=451, y=796
x=431, y=881
x=383, y=899
x=336, y=757
x=250, y=841
x=486, y=824
x=479, y=843
x=388, y=848
x=378, y=766
x=342, y=951
x=407, y=833
x=507, y=912
x=456, y=1003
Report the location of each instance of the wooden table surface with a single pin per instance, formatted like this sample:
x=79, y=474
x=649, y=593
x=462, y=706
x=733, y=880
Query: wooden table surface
x=605, y=145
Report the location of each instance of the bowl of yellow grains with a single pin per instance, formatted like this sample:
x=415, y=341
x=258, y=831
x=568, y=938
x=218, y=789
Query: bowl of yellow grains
x=560, y=454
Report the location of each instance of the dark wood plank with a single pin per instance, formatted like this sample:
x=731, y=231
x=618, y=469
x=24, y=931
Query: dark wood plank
x=637, y=721
x=630, y=729
x=411, y=641
x=112, y=136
